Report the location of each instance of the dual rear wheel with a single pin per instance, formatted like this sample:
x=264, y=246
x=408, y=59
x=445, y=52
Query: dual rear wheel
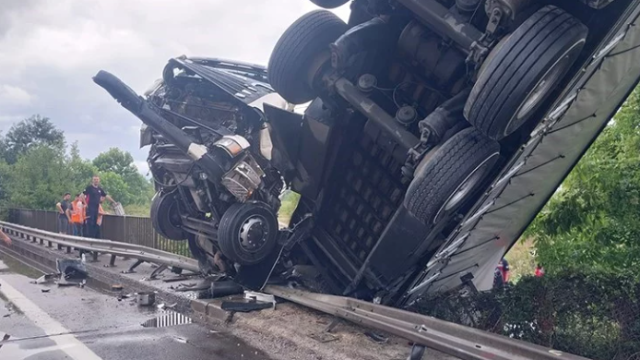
x=516, y=79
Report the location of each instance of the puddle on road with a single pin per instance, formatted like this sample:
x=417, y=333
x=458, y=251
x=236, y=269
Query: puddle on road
x=167, y=319
x=18, y=267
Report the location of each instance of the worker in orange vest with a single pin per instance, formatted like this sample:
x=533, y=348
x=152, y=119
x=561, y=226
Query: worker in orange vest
x=78, y=215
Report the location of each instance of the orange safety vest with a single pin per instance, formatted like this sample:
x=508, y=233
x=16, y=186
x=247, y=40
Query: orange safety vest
x=78, y=212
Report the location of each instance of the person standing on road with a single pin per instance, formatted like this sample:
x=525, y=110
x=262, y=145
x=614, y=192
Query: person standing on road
x=92, y=194
x=64, y=214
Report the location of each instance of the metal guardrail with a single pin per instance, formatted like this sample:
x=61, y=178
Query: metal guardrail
x=427, y=332
x=124, y=229
x=135, y=251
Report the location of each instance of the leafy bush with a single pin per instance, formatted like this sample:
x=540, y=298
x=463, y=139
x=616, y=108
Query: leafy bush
x=591, y=314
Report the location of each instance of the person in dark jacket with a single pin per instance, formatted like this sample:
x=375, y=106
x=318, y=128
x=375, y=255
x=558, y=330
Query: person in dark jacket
x=93, y=193
x=64, y=214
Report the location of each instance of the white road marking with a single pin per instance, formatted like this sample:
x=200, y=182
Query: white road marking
x=75, y=349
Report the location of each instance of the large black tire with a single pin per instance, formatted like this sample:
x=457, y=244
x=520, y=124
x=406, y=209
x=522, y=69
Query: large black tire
x=299, y=53
x=329, y=4
x=165, y=216
x=444, y=181
x=523, y=71
x=243, y=240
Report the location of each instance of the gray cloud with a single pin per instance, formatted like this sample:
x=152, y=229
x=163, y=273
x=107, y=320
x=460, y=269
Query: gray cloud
x=49, y=50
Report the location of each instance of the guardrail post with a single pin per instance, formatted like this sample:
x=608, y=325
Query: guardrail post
x=41, y=241
x=68, y=249
x=95, y=256
x=49, y=243
x=59, y=247
x=112, y=261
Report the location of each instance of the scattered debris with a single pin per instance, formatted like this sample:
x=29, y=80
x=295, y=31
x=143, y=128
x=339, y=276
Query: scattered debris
x=117, y=287
x=324, y=337
x=376, y=337
x=164, y=306
x=154, y=275
x=175, y=279
x=45, y=278
x=65, y=283
x=72, y=269
x=258, y=296
x=219, y=289
x=124, y=296
x=245, y=306
x=45, y=290
x=146, y=298
x=180, y=339
x=332, y=325
x=6, y=315
x=5, y=337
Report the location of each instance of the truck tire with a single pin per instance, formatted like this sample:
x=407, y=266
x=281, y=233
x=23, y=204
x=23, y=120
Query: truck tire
x=300, y=53
x=329, y=4
x=444, y=181
x=165, y=217
x=248, y=232
x=524, y=71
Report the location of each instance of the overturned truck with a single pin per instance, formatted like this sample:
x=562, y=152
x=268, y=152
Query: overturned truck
x=416, y=111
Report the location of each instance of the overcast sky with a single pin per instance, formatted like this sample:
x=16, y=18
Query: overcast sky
x=50, y=49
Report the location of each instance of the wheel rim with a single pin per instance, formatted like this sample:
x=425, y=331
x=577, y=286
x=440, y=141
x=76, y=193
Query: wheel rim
x=466, y=187
x=544, y=86
x=254, y=233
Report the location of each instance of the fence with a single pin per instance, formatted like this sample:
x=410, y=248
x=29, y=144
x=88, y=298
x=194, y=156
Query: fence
x=127, y=229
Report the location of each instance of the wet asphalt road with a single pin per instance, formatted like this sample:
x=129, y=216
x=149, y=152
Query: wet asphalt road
x=82, y=324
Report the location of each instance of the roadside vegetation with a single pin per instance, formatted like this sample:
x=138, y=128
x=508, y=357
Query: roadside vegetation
x=587, y=239
x=37, y=166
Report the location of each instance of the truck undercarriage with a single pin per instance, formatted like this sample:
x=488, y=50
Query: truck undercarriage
x=415, y=110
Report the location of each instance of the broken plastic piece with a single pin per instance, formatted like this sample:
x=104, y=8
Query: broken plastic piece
x=146, y=298
x=71, y=269
x=254, y=295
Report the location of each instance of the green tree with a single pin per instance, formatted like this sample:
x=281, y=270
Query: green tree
x=38, y=178
x=116, y=161
x=592, y=221
x=28, y=133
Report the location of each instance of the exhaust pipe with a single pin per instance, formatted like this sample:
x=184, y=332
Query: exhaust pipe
x=211, y=162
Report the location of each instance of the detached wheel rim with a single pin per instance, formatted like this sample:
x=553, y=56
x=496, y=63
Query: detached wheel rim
x=544, y=86
x=466, y=187
x=253, y=233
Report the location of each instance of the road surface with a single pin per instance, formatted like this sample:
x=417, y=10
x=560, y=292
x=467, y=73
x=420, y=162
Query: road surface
x=73, y=323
